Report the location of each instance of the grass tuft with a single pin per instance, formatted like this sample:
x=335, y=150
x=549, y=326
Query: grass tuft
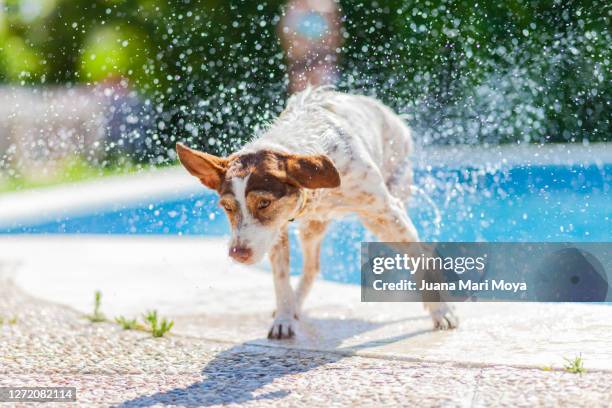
x=128, y=324
x=11, y=321
x=575, y=365
x=153, y=323
x=97, y=316
x=158, y=327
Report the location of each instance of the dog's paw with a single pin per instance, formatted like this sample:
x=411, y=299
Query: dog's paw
x=444, y=318
x=283, y=328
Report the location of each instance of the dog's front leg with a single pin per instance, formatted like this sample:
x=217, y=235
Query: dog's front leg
x=285, y=316
x=311, y=235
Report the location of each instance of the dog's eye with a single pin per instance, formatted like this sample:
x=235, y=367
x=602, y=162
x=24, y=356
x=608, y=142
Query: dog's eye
x=263, y=204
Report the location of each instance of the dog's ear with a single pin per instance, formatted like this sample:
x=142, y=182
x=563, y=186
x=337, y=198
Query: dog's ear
x=208, y=168
x=312, y=171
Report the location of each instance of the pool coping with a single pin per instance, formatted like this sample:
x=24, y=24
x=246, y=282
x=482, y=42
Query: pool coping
x=111, y=193
x=116, y=192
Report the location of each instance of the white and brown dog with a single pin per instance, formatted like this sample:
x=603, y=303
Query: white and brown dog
x=327, y=154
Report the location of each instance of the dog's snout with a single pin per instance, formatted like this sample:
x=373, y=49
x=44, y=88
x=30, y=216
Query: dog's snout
x=240, y=253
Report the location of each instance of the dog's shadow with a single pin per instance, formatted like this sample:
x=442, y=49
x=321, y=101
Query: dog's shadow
x=236, y=375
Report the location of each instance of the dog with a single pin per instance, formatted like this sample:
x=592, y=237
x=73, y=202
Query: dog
x=326, y=155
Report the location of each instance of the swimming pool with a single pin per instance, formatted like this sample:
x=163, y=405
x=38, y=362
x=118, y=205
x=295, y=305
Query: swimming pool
x=544, y=203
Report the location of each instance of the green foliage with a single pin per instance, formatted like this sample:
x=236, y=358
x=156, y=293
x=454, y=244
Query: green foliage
x=213, y=72
x=97, y=316
x=71, y=170
x=500, y=72
x=158, y=327
x=20, y=61
x=575, y=365
x=120, y=51
x=128, y=324
x=11, y=321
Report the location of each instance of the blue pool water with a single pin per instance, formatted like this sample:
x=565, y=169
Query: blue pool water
x=532, y=203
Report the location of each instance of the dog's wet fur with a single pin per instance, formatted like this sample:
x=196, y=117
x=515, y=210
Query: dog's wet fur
x=328, y=154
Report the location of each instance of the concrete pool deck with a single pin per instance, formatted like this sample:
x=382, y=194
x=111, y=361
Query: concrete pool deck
x=345, y=351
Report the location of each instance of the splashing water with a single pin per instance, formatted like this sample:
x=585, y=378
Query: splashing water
x=437, y=220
